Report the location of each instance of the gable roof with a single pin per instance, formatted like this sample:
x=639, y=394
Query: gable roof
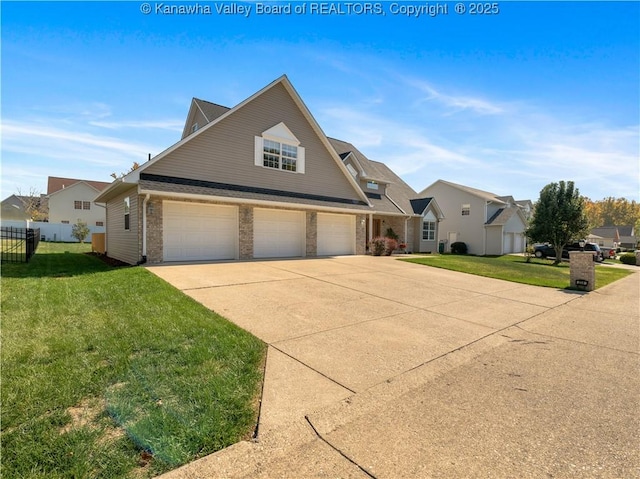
x=607, y=232
x=420, y=204
x=626, y=230
x=133, y=178
x=485, y=195
x=55, y=184
x=211, y=111
x=503, y=215
x=397, y=191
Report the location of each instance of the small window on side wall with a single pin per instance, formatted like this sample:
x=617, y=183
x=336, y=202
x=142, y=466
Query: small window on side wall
x=372, y=185
x=127, y=210
x=466, y=210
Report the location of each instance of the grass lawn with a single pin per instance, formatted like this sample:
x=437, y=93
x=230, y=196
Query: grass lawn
x=110, y=372
x=538, y=272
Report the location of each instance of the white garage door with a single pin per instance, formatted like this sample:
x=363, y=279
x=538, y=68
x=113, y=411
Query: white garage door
x=336, y=234
x=196, y=232
x=278, y=233
x=519, y=243
x=507, y=243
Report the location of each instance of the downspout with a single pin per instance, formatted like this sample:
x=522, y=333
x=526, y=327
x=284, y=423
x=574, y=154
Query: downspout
x=484, y=228
x=144, y=230
x=406, y=221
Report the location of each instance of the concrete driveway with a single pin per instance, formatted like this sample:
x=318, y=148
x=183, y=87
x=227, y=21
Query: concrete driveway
x=381, y=368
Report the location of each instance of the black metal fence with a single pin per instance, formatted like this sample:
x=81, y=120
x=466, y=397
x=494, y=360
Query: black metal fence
x=17, y=245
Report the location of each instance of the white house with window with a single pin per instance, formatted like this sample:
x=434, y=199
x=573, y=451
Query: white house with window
x=75, y=202
x=489, y=224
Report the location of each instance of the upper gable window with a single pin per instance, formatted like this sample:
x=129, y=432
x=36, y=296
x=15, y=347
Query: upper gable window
x=279, y=155
x=194, y=128
x=279, y=149
x=466, y=210
x=372, y=185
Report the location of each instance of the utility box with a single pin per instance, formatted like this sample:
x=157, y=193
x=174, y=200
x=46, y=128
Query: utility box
x=582, y=270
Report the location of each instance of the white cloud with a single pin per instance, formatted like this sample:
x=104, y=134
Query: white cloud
x=454, y=103
x=171, y=125
x=22, y=137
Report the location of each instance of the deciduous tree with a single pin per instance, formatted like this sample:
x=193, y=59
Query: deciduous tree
x=80, y=231
x=559, y=217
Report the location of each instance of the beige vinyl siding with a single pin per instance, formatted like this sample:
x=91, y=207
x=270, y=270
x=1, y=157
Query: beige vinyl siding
x=123, y=245
x=469, y=229
x=195, y=116
x=225, y=152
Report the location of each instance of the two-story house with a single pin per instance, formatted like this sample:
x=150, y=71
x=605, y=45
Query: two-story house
x=489, y=224
x=260, y=180
x=71, y=200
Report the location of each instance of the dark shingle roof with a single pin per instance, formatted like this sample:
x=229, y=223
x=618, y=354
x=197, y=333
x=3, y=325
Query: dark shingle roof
x=187, y=185
x=501, y=216
x=420, y=204
x=397, y=190
x=211, y=110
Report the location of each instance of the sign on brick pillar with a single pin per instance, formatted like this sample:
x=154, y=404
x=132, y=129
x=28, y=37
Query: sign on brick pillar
x=583, y=270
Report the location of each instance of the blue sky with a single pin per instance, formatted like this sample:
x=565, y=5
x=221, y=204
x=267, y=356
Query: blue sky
x=539, y=92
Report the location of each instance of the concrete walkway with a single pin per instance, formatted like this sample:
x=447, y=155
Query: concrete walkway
x=380, y=368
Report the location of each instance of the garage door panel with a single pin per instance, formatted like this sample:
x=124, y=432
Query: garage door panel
x=195, y=231
x=278, y=233
x=336, y=234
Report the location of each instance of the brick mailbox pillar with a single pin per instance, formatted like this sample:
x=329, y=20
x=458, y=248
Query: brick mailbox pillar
x=583, y=270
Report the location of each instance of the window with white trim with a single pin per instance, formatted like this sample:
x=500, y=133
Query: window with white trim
x=466, y=209
x=86, y=205
x=77, y=205
x=279, y=155
x=429, y=227
x=279, y=149
x=127, y=211
x=372, y=185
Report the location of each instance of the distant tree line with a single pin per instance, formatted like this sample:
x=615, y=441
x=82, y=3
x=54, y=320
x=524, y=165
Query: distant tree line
x=612, y=211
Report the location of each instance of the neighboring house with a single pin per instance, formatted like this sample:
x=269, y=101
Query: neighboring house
x=260, y=180
x=71, y=200
x=607, y=236
x=489, y=224
x=526, y=206
x=628, y=237
x=14, y=208
x=614, y=237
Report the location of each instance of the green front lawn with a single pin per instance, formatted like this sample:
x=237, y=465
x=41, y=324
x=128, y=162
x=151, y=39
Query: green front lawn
x=515, y=268
x=111, y=372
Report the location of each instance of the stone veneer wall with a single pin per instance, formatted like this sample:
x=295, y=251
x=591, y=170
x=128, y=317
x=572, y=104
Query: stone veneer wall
x=361, y=234
x=245, y=219
x=154, y=230
x=582, y=266
x=312, y=234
